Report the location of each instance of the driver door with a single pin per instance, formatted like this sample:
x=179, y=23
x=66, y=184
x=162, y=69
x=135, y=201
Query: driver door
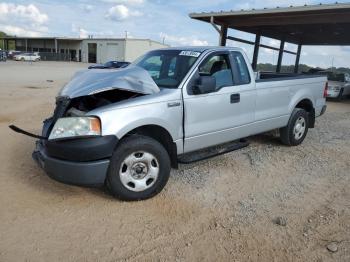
x=217, y=117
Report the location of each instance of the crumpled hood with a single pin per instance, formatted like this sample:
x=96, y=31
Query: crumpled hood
x=92, y=81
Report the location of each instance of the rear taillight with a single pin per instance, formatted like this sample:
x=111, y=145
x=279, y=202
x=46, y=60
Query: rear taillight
x=325, y=92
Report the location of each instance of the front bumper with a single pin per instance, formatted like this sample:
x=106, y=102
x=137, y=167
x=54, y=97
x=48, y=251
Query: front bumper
x=82, y=161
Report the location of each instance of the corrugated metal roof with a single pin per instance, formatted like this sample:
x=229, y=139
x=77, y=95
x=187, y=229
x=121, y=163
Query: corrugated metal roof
x=304, y=8
x=322, y=24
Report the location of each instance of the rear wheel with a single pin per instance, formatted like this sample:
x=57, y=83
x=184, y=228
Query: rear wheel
x=22, y=59
x=296, y=130
x=139, y=168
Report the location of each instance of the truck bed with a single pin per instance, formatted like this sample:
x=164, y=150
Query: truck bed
x=271, y=76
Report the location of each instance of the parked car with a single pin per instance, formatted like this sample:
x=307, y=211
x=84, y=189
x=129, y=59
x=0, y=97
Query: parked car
x=27, y=57
x=338, y=85
x=12, y=53
x=110, y=64
x=126, y=129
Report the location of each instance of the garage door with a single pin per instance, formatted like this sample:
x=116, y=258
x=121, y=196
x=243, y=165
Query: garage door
x=114, y=52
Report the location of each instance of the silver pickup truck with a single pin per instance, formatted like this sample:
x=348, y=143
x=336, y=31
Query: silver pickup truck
x=126, y=128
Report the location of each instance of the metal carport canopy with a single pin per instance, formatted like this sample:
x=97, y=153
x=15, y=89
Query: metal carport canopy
x=304, y=25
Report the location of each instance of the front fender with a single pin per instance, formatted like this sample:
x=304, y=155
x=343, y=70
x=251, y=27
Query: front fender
x=120, y=121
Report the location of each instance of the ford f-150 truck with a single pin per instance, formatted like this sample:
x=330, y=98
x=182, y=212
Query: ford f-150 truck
x=126, y=128
x=338, y=85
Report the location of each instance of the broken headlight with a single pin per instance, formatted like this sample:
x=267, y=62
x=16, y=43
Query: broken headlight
x=67, y=127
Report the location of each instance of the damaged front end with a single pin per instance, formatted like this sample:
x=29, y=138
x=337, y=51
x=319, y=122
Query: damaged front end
x=91, y=89
x=80, y=106
x=80, y=156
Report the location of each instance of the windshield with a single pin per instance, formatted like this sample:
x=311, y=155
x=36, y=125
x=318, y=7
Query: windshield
x=109, y=64
x=168, y=67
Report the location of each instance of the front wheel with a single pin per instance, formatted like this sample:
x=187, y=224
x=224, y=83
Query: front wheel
x=295, y=132
x=139, y=168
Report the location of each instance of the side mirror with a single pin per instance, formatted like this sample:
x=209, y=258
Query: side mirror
x=204, y=85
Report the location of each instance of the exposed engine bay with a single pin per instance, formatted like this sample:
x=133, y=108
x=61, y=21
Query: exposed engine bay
x=80, y=105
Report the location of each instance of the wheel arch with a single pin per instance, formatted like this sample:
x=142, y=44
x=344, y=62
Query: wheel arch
x=308, y=106
x=160, y=134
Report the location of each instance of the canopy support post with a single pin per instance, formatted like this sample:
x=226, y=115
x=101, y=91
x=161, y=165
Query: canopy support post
x=56, y=46
x=223, y=35
x=297, y=60
x=280, y=56
x=256, y=50
x=222, y=32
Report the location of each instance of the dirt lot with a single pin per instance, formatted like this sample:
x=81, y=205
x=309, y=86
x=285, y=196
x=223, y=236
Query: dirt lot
x=222, y=209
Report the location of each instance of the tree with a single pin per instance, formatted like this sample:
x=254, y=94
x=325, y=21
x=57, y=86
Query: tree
x=2, y=34
x=302, y=68
x=11, y=43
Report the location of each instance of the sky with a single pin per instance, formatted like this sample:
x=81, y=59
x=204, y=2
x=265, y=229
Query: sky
x=159, y=20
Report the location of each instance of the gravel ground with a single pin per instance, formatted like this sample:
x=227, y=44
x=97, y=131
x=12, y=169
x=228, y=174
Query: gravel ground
x=266, y=202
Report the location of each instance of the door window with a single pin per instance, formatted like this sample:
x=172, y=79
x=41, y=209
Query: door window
x=171, y=70
x=240, y=69
x=219, y=67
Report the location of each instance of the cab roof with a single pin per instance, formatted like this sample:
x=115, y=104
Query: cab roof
x=200, y=48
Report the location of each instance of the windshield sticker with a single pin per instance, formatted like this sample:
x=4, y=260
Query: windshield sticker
x=190, y=53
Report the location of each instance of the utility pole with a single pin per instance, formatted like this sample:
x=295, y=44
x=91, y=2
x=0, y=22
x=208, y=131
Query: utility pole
x=126, y=34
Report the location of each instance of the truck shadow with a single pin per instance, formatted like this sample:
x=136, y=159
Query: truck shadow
x=269, y=138
x=24, y=168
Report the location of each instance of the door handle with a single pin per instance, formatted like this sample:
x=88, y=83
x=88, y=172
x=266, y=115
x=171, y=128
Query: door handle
x=235, y=98
x=174, y=104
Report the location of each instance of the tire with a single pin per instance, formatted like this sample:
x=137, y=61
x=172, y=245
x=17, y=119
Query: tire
x=293, y=135
x=22, y=59
x=129, y=175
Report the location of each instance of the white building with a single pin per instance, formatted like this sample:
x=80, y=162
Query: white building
x=91, y=50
